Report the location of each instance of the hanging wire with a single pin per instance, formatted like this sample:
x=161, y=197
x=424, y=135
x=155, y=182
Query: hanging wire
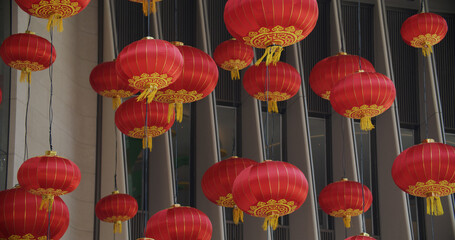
x=360, y=35
x=343, y=158
x=422, y=6
x=51, y=89
x=145, y=170
x=116, y=159
x=26, y=123
x=266, y=132
x=425, y=117
x=49, y=222
x=29, y=22
x=148, y=20
x=114, y=27
x=174, y=165
x=234, y=104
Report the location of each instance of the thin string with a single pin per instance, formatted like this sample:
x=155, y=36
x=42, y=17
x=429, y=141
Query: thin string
x=174, y=166
x=266, y=132
x=176, y=19
x=345, y=233
x=51, y=72
x=272, y=141
x=49, y=222
x=343, y=158
x=145, y=170
x=116, y=159
x=360, y=35
x=234, y=104
x=148, y=20
x=26, y=123
x=114, y=31
x=425, y=97
x=340, y=20
x=362, y=181
x=422, y=6
x=432, y=226
x=29, y=22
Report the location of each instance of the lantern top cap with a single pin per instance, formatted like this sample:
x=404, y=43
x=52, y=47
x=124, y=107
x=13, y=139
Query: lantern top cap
x=175, y=205
x=233, y=39
x=360, y=71
x=234, y=157
x=177, y=43
x=344, y=179
x=364, y=234
x=268, y=160
x=428, y=140
x=145, y=238
x=341, y=53
x=115, y=192
x=30, y=32
x=148, y=38
x=51, y=153
x=17, y=186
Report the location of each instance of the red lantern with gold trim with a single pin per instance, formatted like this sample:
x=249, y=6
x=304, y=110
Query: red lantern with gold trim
x=426, y=170
x=116, y=208
x=270, y=189
x=363, y=95
x=283, y=82
x=49, y=176
x=53, y=10
x=218, y=180
x=362, y=236
x=198, y=79
x=179, y=223
x=106, y=82
x=130, y=120
x=28, y=53
x=327, y=72
x=345, y=199
x=424, y=30
x=233, y=55
x=270, y=24
x=148, y=6
x=20, y=217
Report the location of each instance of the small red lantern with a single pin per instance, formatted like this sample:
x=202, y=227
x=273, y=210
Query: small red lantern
x=54, y=10
x=106, y=82
x=424, y=30
x=270, y=24
x=426, y=170
x=362, y=236
x=269, y=190
x=179, y=223
x=49, y=176
x=148, y=6
x=363, y=95
x=218, y=180
x=116, y=208
x=282, y=83
x=21, y=219
x=28, y=53
x=130, y=120
x=327, y=72
x=345, y=199
x=198, y=79
x=233, y=55
x=149, y=65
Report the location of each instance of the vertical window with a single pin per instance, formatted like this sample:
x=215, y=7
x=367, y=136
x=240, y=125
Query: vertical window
x=227, y=128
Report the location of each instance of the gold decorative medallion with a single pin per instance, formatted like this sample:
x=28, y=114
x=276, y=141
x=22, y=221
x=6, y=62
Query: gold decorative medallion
x=114, y=219
x=364, y=111
x=278, y=35
x=142, y=82
x=181, y=96
x=442, y=188
x=227, y=201
x=116, y=93
x=152, y=131
x=272, y=96
x=47, y=191
x=272, y=207
x=347, y=212
x=25, y=237
x=21, y=65
x=64, y=8
x=326, y=95
x=234, y=64
x=426, y=40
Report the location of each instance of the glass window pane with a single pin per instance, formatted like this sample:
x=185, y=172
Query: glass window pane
x=5, y=76
x=450, y=139
x=273, y=129
x=227, y=120
x=407, y=138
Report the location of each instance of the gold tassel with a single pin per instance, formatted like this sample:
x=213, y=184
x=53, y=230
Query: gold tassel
x=118, y=227
x=238, y=215
x=179, y=108
x=26, y=74
x=427, y=50
x=366, y=124
x=270, y=221
x=47, y=202
x=272, y=55
x=347, y=221
x=149, y=9
x=235, y=74
x=149, y=141
x=144, y=143
x=116, y=101
x=170, y=111
x=277, y=56
x=272, y=106
x=434, y=206
x=55, y=20
x=148, y=93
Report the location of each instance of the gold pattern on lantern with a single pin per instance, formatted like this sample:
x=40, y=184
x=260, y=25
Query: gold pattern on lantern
x=272, y=207
x=171, y=96
x=63, y=8
x=278, y=35
x=116, y=93
x=142, y=82
x=234, y=64
x=364, y=111
x=272, y=96
x=346, y=212
x=441, y=188
x=227, y=201
x=32, y=66
x=326, y=95
x=425, y=42
x=28, y=236
x=152, y=131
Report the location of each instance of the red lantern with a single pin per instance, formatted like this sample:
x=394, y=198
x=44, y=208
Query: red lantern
x=149, y=65
x=272, y=24
x=49, y=176
x=424, y=30
x=54, y=10
x=269, y=190
x=362, y=236
x=218, y=180
x=28, y=53
x=233, y=55
x=106, y=82
x=198, y=79
x=148, y=6
x=345, y=199
x=327, y=72
x=21, y=219
x=179, y=223
x=426, y=170
x=363, y=95
x=283, y=82
x=130, y=120
x=116, y=208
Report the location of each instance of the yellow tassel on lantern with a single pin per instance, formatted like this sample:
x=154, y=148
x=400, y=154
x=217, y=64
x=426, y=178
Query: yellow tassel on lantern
x=147, y=143
x=427, y=50
x=347, y=221
x=179, y=110
x=238, y=215
x=170, y=111
x=118, y=227
x=116, y=102
x=272, y=106
x=434, y=205
x=55, y=20
x=148, y=93
x=272, y=55
x=235, y=74
x=26, y=74
x=366, y=124
x=47, y=202
x=148, y=9
x=272, y=221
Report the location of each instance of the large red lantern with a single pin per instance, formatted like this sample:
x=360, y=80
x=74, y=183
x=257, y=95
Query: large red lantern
x=233, y=55
x=53, y=10
x=28, y=53
x=327, y=72
x=270, y=190
x=424, y=30
x=148, y=6
x=362, y=236
x=198, y=79
x=149, y=65
x=20, y=217
x=281, y=82
x=272, y=24
x=426, y=170
x=106, y=82
x=130, y=120
x=363, y=95
x=218, y=180
x=49, y=176
x=345, y=199
x=116, y=208
x=179, y=223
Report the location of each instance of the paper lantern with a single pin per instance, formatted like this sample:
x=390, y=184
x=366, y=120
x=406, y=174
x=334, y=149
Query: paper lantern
x=197, y=80
x=179, y=223
x=106, y=82
x=362, y=236
x=423, y=30
x=426, y=170
x=363, y=95
x=233, y=55
x=218, y=180
x=49, y=176
x=270, y=190
x=28, y=53
x=130, y=120
x=282, y=83
x=345, y=199
x=149, y=65
x=20, y=217
x=270, y=24
x=327, y=72
x=148, y=6
x=53, y=10
x=116, y=208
